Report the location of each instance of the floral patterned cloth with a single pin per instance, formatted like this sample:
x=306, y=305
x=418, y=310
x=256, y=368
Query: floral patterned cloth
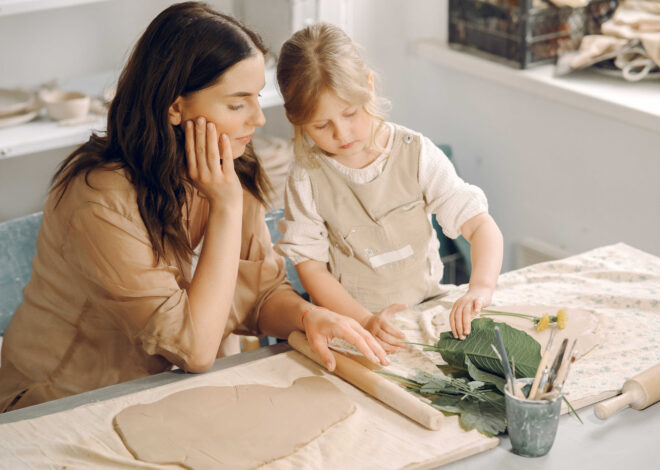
x=619, y=284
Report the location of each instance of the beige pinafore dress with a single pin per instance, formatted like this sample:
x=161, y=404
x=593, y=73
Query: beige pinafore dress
x=379, y=231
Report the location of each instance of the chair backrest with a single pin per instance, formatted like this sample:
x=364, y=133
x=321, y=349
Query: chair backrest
x=18, y=245
x=272, y=217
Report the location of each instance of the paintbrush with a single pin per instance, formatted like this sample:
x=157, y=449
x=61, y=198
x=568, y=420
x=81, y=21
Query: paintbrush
x=562, y=380
x=505, y=361
x=563, y=369
x=544, y=361
x=552, y=375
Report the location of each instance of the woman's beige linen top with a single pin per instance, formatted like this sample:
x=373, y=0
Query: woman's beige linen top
x=94, y=280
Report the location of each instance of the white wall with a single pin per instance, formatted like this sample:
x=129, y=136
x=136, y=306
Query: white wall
x=572, y=178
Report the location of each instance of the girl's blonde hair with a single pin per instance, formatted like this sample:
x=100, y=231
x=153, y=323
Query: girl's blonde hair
x=321, y=58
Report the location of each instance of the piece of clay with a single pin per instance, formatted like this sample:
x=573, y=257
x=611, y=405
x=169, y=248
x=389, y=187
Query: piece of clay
x=242, y=426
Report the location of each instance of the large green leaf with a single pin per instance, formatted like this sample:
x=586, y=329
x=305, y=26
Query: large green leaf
x=483, y=376
x=521, y=348
x=486, y=416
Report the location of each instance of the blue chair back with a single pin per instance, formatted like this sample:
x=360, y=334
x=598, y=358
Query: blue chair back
x=272, y=217
x=18, y=245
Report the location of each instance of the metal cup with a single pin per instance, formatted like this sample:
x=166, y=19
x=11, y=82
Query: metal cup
x=531, y=424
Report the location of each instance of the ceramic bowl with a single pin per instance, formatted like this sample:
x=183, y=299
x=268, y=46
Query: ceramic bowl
x=14, y=102
x=62, y=105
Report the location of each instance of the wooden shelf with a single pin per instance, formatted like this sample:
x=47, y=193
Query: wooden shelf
x=44, y=134
x=13, y=7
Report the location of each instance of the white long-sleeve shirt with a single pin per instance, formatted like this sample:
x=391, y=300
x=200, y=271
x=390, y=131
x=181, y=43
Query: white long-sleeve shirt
x=305, y=236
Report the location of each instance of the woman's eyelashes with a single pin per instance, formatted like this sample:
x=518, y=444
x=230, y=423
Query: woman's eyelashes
x=236, y=107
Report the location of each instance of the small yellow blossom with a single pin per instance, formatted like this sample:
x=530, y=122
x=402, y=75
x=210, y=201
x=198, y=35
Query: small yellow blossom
x=561, y=319
x=543, y=323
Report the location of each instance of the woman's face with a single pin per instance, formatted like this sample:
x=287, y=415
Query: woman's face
x=231, y=104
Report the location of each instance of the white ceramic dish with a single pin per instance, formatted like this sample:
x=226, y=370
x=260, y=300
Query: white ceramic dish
x=14, y=102
x=62, y=105
x=18, y=118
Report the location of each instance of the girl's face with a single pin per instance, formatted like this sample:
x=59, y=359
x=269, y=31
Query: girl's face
x=231, y=104
x=339, y=128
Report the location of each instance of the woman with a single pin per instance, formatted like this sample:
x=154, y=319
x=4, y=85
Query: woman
x=112, y=297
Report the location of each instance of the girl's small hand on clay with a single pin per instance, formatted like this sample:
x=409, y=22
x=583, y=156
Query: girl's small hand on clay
x=468, y=307
x=380, y=326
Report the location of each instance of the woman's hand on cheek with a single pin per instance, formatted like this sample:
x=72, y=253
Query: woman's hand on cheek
x=216, y=181
x=321, y=325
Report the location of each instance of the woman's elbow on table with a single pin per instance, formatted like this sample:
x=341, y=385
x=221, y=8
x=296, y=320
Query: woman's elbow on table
x=198, y=364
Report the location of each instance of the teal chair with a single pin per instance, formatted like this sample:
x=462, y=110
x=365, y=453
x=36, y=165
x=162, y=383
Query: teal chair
x=272, y=217
x=18, y=245
x=454, y=253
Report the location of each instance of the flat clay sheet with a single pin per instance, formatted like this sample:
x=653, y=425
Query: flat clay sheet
x=241, y=426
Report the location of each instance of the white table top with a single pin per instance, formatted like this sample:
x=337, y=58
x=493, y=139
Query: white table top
x=629, y=439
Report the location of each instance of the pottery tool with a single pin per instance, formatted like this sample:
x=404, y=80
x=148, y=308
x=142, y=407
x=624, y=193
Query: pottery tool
x=563, y=369
x=640, y=392
x=544, y=361
x=552, y=374
x=374, y=384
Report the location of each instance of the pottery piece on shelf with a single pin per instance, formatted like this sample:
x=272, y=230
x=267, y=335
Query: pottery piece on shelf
x=14, y=102
x=20, y=117
x=62, y=105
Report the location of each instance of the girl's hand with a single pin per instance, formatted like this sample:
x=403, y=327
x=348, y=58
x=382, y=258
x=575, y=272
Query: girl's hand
x=468, y=307
x=321, y=325
x=215, y=181
x=381, y=328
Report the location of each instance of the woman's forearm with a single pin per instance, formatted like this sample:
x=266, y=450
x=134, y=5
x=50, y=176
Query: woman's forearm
x=282, y=313
x=211, y=290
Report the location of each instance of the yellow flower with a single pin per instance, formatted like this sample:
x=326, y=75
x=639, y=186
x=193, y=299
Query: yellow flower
x=543, y=323
x=561, y=319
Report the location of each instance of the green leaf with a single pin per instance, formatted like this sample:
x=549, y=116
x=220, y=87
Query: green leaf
x=477, y=347
x=486, y=417
x=487, y=377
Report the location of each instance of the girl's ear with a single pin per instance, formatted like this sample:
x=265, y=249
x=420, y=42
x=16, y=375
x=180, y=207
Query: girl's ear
x=371, y=81
x=174, y=112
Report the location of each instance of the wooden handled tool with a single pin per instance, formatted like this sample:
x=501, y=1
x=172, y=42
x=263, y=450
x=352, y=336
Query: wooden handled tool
x=374, y=384
x=641, y=391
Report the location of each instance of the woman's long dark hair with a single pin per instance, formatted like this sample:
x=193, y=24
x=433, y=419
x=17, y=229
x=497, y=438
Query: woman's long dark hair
x=186, y=48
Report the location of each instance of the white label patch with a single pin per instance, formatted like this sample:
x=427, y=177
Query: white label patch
x=391, y=256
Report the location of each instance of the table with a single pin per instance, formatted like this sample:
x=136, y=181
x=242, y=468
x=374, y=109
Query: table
x=618, y=283
x=629, y=439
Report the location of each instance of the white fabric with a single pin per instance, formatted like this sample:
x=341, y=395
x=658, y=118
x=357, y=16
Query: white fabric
x=619, y=284
x=453, y=201
x=391, y=256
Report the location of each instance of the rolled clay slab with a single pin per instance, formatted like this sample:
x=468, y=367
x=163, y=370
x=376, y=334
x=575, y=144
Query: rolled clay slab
x=242, y=426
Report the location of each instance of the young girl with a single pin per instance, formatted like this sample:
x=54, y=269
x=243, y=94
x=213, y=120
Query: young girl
x=112, y=296
x=360, y=196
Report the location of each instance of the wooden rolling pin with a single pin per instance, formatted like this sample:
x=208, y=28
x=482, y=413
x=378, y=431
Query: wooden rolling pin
x=374, y=384
x=640, y=392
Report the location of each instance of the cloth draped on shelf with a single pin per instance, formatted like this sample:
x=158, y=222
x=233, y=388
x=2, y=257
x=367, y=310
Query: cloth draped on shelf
x=630, y=39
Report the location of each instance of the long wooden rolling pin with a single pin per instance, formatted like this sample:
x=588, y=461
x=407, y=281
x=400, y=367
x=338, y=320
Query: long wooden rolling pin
x=373, y=384
x=640, y=392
